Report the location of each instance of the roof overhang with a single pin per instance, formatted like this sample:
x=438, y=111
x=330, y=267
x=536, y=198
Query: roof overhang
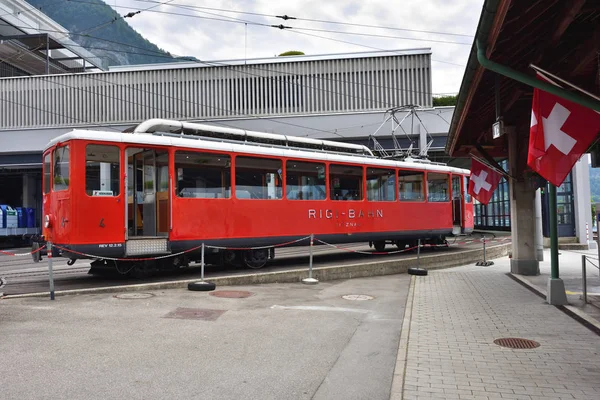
x=562, y=37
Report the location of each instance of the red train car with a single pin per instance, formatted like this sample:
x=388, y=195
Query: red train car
x=167, y=187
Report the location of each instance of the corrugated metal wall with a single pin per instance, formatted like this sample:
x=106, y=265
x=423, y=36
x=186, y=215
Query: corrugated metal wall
x=286, y=88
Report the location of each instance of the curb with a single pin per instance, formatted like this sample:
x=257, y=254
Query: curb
x=397, y=391
x=587, y=320
x=361, y=270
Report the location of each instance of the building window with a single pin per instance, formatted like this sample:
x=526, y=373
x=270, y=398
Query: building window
x=410, y=186
x=345, y=182
x=496, y=215
x=102, y=170
x=258, y=178
x=203, y=175
x=47, y=172
x=304, y=181
x=381, y=184
x=437, y=187
x=61, y=168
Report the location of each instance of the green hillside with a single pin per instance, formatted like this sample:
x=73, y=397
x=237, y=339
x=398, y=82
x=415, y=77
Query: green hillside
x=95, y=20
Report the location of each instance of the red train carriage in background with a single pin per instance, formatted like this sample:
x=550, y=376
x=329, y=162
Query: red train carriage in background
x=170, y=186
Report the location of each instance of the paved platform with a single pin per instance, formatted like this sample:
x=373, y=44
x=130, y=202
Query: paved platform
x=447, y=348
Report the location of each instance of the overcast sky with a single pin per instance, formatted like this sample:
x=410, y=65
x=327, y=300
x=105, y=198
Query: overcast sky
x=207, y=34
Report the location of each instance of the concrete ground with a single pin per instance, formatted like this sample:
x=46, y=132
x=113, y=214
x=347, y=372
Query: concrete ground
x=570, y=271
x=286, y=341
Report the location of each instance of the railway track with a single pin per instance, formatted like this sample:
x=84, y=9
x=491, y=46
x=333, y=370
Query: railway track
x=24, y=276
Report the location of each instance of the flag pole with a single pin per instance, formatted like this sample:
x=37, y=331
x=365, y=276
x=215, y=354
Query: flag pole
x=487, y=164
x=553, y=233
x=538, y=69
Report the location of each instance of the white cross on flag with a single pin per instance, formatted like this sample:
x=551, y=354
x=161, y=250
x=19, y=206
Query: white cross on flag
x=561, y=131
x=483, y=181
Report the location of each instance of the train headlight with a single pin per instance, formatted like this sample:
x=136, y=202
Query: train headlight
x=48, y=221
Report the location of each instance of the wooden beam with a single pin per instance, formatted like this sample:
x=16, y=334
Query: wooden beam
x=586, y=52
x=569, y=12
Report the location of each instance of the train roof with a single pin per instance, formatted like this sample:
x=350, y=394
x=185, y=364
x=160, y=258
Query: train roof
x=261, y=149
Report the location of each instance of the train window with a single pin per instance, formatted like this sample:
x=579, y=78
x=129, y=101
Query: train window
x=345, y=182
x=102, y=170
x=203, y=175
x=467, y=195
x=258, y=178
x=381, y=184
x=47, y=175
x=437, y=187
x=61, y=168
x=410, y=186
x=304, y=180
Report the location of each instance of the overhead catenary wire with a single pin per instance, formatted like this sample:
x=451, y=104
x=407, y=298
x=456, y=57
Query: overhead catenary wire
x=286, y=17
x=222, y=64
x=176, y=115
x=280, y=26
x=160, y=54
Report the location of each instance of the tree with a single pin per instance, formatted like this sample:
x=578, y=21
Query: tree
x=291, y=53
x=445, y=101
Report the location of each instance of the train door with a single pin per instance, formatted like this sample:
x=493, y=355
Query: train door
x=148, y=182
x=457, y=211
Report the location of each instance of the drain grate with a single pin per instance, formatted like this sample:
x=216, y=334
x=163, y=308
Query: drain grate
x=231, y=294
x=133, y=296
x=195, y=313
x=517, y=343
x=357, y=297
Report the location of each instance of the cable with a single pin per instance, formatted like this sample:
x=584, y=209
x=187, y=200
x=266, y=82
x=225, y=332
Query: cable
x=215, y=63
x=51, y=112
x=241, y=21
x=285, y=17
x=355, y=97
x=118, y=17
x=192, y=103
x=32, y=9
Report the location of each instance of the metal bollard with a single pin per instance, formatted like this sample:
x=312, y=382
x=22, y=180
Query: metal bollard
x=584, y=278
x=310, y=280
x=202, y=264
x=484, y=263
x=419, y=253
x=50, y=272
x=201, y=285
x=484, y=260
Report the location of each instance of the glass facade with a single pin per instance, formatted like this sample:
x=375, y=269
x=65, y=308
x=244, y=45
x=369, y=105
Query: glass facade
x=496, y=214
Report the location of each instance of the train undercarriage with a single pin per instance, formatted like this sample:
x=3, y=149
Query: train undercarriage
x=253, y=258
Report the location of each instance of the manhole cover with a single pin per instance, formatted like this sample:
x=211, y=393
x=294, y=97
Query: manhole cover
x=357, y=297
x=517, y=343
x=231, y=294
x=195, y=313
x=133, y=296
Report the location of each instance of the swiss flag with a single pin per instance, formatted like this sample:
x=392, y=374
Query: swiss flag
x=561, y=131
x=483, y=181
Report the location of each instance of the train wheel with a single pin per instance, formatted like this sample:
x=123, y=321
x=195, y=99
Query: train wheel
x=379, y=245
x=256, y=259
x=229, y=257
